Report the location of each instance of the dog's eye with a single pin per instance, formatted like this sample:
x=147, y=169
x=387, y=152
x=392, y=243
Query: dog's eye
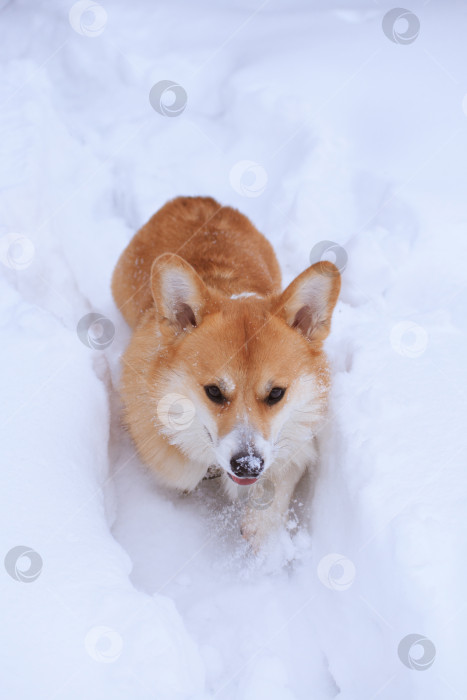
x=214, y=393
x=275, y=395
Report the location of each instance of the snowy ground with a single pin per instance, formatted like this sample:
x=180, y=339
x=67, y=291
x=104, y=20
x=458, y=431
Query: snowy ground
x=134, y=592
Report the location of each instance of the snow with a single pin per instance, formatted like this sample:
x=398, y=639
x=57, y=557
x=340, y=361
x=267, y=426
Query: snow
x=319, y=127
x=244, y=295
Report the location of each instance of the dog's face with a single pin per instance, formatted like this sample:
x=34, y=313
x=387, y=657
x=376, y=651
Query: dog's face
x=252, y=370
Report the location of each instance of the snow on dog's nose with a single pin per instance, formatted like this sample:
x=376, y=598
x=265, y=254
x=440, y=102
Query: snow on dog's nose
x=246, y=467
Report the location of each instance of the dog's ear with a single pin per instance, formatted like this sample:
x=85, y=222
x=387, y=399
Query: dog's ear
x=308, y=302
x=179, y=293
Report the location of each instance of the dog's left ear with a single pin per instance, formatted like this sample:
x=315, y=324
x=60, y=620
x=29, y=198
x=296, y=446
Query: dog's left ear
x=179, y=293
x=308, y=302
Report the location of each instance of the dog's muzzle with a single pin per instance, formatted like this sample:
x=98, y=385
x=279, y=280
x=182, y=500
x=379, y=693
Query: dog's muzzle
x=246, y=467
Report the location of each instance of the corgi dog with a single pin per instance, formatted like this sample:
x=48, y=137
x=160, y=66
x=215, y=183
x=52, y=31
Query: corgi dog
x=223, y=369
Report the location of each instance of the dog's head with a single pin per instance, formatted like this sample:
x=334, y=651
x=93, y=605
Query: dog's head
x=250, y=372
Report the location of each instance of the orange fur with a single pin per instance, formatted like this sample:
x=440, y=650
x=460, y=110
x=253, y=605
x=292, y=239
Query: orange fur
x=221, y=244
x=174, y=284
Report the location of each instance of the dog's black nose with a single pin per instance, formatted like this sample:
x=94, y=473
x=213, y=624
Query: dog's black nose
x=246, y=464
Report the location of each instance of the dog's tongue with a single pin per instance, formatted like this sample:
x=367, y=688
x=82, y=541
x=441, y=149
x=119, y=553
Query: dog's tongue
x=243, y=482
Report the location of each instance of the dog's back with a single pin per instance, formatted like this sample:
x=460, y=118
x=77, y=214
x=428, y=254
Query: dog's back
x=220, y=243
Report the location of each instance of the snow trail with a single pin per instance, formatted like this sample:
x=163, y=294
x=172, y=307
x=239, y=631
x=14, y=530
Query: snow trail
x=319, y=127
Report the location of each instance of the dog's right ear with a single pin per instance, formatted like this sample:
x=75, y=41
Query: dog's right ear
x=308, y=302
x=179, y=293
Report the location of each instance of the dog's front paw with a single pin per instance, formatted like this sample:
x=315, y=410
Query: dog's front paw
x=256, y=527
